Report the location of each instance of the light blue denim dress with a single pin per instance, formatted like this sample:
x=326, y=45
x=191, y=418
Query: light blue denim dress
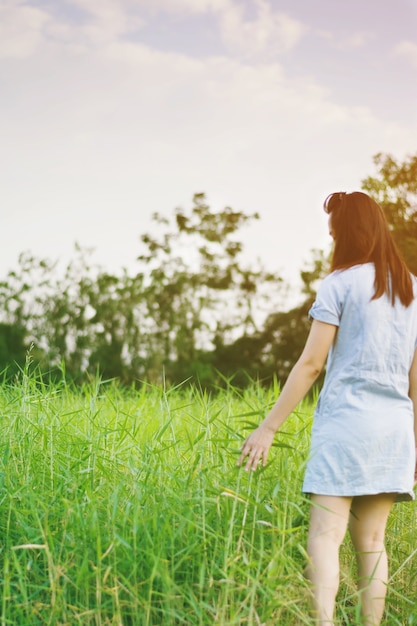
x=363, y=430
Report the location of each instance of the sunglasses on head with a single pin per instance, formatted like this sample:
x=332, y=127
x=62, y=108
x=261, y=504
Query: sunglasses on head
x=338, y=194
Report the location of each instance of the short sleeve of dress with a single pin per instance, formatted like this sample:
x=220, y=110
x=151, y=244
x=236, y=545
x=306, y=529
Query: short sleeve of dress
x=328, y=305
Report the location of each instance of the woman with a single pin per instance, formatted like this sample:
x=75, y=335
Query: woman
x=363, y=450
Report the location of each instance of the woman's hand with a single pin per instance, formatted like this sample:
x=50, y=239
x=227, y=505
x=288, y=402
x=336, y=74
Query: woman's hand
x=300, y=380
x=256, y=447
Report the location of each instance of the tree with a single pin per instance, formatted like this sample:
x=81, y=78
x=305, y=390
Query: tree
x=13, y=348
x=22, y=295
x=285, y=332
x=93, y=321
x=85, y=318
x=190, y=295
x=199, y=295
x=192, y=309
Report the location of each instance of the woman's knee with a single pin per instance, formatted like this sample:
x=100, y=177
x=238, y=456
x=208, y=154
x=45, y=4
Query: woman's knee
x=365, y=538
x=367, y=522
x=330, y=534
x=368, y=544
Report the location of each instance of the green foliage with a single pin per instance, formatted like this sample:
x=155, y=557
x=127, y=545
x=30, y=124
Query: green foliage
x=190, y=293
x=192, y=311
x=285, y=332
x=127, y=508
x=199, y=294
x=12, y=348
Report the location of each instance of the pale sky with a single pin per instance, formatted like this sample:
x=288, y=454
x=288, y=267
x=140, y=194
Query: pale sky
x=111, y=110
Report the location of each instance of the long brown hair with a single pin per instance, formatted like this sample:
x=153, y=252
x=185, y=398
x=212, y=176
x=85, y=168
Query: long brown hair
x=362, y=235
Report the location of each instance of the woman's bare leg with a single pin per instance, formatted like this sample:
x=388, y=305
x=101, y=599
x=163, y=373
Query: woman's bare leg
x=367, y=524
x=329, y=517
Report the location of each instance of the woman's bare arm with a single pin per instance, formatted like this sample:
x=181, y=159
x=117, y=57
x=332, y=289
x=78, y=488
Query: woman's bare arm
x=304, y=373
x=413, y=395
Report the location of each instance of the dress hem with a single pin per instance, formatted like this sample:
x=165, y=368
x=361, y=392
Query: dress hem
x=401, y=496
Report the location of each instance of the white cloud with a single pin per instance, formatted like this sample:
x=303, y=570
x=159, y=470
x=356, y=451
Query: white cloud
x=356, y=39
x=125, y=131
x=21, y=29
x=408, y=51
x=269, y=33
x=24, y=28
x=107, y=19
x=182, y=6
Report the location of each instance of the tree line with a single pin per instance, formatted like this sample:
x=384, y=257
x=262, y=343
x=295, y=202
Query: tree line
x=193, y=310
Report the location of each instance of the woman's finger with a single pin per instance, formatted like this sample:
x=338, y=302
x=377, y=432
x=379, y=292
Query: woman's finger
x=253, y=461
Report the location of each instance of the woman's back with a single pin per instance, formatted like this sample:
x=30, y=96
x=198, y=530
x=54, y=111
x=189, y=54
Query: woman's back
x=375, y=339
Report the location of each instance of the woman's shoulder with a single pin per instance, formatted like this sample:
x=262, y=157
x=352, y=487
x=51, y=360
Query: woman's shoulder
x=355, y=272
x=341, y=284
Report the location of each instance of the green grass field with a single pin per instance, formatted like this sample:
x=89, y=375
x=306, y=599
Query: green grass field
x=127, y=508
